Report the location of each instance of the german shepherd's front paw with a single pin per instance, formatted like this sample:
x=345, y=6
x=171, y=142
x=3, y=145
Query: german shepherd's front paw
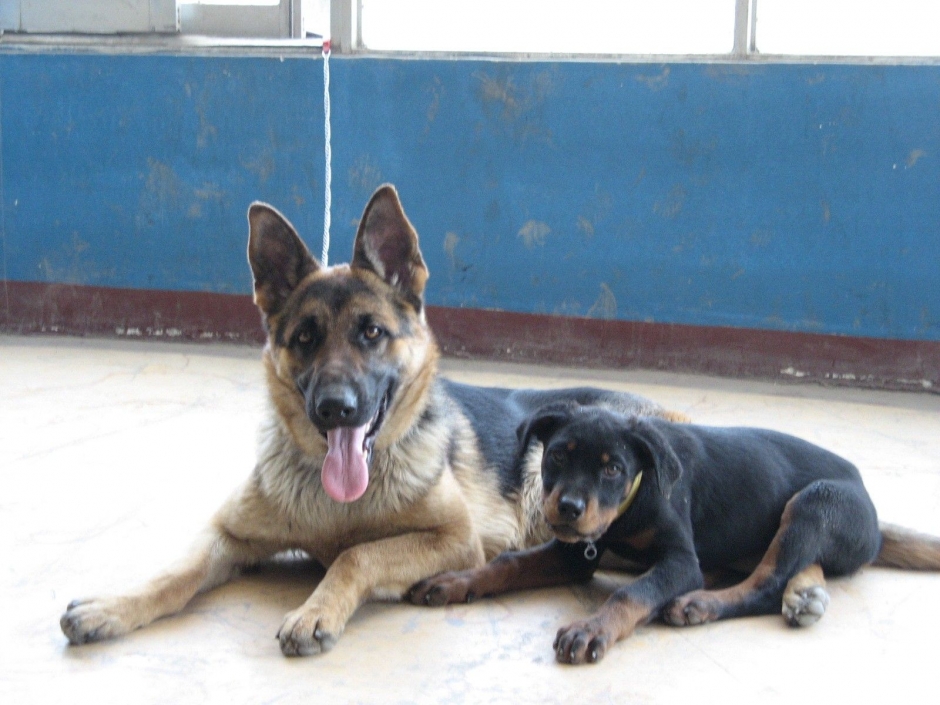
x=308, y=631
x=582, y=642
x=444, y=589
x=95, y=619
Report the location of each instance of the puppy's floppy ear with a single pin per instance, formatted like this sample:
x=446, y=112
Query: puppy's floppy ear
x=663, y=458
x=278, y=257
x=387, y=245
x=542, y=424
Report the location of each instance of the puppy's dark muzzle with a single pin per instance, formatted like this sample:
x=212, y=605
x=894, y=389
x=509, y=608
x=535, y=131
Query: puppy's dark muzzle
x=570, y=509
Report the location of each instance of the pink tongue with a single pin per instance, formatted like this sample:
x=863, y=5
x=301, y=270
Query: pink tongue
x=345, y=474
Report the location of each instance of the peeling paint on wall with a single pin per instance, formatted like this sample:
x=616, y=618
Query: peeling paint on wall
x=451, y=240
x=365, y=174
x=162, y=185
x=436, y=90
x=656, y=82
x=533, y=233
x=671, y=206
x=585, y=226
x=914, y=157
x=72, y=263
x=517, y=108
x=261, y=165
x=606, y=305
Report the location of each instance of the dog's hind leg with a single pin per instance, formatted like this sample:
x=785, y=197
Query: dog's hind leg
x=830, y=526
x=805, y=599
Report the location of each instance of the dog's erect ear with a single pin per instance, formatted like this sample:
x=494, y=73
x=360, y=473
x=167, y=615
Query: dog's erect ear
x=387, y=245
x=541, y=425
x=278, y=257
x=663, y=458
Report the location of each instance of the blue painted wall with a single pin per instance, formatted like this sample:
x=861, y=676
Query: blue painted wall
x=790, y=197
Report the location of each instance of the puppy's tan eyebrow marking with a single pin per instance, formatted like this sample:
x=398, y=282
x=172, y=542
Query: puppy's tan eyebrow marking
x=605, y=458
x=572, y=444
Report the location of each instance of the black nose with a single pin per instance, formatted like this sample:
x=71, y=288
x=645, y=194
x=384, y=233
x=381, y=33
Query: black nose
x=336, y=404
x=570, y=508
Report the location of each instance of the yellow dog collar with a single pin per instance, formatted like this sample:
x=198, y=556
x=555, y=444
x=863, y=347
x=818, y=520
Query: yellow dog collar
x=631, y=495
x=590, y=550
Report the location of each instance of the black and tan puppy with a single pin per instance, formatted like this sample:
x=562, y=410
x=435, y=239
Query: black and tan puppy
x=683, y=499
x=380, y=470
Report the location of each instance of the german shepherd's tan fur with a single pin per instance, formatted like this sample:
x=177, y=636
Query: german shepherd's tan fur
x=433, y=501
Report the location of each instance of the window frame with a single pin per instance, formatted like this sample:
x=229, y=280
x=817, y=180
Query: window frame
x=345, y=24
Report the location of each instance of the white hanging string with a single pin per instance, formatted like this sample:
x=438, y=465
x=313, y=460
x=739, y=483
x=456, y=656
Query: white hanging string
x=328, y=154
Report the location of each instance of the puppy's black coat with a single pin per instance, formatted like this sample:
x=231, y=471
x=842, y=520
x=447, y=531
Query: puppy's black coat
x=681, y=500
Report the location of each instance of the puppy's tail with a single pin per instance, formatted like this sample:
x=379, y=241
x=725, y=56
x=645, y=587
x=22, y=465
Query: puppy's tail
x=906, y=549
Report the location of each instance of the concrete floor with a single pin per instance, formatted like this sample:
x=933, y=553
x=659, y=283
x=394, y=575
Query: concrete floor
x=113, y=454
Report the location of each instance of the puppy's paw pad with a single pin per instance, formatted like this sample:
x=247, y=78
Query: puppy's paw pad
x=806, y=606
x=307, y=633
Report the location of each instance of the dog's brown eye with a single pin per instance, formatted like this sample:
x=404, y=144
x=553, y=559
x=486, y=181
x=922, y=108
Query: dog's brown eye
x=558, y=457
x=372, y=332
x=612, y=470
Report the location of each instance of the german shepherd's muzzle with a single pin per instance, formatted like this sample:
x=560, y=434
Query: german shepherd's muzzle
x=348, y=407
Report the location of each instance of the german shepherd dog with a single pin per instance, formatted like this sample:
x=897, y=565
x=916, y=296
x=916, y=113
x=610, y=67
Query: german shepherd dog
x=377, y=468
x=678, y=500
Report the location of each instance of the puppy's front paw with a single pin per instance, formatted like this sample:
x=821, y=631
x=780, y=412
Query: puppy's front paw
x=443, y=589
x=95, y=619
x=308, y=631
x=582, y=642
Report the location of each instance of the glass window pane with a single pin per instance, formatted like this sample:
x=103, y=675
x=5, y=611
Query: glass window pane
x=550, y=26
x=849, y=27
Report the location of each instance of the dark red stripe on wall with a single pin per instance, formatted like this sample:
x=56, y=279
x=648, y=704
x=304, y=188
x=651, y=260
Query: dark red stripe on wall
x=726, y=352
x=31, y=307
x=34, y=307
